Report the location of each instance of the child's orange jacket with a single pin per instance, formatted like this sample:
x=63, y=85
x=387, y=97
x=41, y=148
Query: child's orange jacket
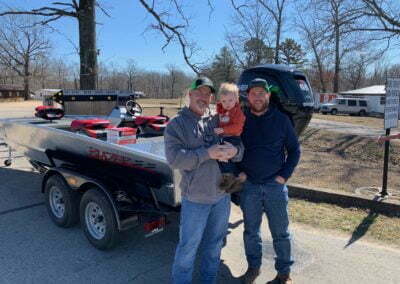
x=231, y=121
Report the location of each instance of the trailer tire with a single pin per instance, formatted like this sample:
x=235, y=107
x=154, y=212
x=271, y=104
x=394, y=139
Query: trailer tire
x=62, y=202
x=98, y=220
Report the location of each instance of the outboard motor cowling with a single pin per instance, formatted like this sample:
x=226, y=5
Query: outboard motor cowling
x=291, y=93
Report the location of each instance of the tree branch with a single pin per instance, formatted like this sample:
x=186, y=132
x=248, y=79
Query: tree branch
x=171, y=32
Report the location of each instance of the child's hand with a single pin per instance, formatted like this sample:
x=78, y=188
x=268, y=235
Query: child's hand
x=242, y=177
x=218, y=131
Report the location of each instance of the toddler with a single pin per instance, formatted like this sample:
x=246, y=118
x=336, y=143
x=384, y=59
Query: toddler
x=231, y=121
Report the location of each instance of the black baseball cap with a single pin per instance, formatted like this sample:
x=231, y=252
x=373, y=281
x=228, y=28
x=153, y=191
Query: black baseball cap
x=258, y=82
x=202, y=81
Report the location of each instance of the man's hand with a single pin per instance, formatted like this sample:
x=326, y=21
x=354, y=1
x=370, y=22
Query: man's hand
x=218, y=131
x=280, y=180
x=216, y=153
x=229, y=149
x=242, y=177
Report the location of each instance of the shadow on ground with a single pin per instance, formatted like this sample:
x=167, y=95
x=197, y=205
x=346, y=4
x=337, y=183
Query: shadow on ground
x=362, y=228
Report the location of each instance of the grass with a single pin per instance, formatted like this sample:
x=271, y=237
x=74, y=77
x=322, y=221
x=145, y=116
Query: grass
x=357, y=222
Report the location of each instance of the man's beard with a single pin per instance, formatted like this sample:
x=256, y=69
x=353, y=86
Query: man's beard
x=199, y=107
x=259, y=108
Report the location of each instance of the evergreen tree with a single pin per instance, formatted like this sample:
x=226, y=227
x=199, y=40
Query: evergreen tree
x=291, y=53
x=257, y=52
x=223, y=68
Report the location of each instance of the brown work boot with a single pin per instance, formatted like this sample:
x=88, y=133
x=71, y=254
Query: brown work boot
x=226, y=181
x=281, y=279
x=250, y=275
x=236, y=186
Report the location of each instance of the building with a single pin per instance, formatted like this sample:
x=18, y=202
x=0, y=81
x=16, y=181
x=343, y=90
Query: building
x=327, y=97
x=374, y=94
x=11, y=91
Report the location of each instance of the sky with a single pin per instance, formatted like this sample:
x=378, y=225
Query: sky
x=125, y=36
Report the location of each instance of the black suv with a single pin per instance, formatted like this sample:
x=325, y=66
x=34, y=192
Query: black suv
x=293, y=94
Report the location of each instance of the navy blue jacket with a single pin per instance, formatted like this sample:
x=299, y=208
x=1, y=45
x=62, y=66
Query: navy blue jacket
x=265, y=139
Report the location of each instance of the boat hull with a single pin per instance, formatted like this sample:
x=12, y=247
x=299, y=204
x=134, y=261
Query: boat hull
x=35, y=139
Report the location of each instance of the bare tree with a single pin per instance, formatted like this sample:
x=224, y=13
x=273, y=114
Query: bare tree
x=131, y=71
x=20, y=45
x=355, y=71
x=41, y=72
x=381, y=16
x=336, y=19
x=249, y=35
x=170, y=31
x=173, y=78
x=314, y=37
x=85, y=14
x=276, y=10
x=7, y=75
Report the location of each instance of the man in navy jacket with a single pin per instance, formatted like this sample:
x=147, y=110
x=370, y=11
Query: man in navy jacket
x=271, y=154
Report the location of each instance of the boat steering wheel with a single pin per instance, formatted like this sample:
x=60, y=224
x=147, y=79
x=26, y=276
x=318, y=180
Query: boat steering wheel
x=133, y=108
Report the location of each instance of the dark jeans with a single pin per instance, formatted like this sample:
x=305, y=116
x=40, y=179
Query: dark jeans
x=272, y=199
x=230, y=167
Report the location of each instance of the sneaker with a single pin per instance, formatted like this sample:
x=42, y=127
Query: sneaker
x=281, y=279
x=226, y=181
x=236, y=186
x=250, y=275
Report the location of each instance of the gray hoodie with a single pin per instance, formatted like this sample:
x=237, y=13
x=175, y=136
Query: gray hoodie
x=187, y=138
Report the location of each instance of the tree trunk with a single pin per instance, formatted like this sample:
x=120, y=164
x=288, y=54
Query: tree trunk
x=277, y=43
x=26, y=80
x=320, y=69
x=337, y=61
x=337, y=35
x=87, y=44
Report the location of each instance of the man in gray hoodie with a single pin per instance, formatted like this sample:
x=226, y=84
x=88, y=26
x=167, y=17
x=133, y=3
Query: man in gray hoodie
x=192, y=147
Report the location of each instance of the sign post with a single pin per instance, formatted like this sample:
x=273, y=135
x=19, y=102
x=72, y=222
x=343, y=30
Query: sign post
x=391, y=121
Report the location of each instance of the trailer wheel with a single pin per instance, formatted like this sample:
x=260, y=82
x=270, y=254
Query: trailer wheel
x=62, y=203
x=7, y=163
x=98, y=220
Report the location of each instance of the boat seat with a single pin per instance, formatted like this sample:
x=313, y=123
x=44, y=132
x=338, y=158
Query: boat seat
x=49, y=112
x=95, y=128
x=141, y=119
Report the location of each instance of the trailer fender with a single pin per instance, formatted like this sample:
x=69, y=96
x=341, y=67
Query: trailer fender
x=82, y=183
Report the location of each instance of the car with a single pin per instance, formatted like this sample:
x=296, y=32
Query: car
x=352, y=106
x=291, y=91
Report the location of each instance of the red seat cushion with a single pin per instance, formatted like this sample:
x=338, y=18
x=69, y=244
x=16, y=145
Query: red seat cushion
x=140, y=119
x=96, y=123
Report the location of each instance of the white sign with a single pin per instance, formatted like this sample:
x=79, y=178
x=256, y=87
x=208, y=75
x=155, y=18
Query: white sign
x=392, y=103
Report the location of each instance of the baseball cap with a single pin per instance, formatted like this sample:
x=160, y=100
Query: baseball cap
x=202, y=81
x=258, y=82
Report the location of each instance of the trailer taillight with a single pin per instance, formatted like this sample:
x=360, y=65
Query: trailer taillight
x=155, y=226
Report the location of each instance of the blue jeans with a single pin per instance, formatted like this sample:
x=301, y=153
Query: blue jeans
x=206, y=224
x=271, y=199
